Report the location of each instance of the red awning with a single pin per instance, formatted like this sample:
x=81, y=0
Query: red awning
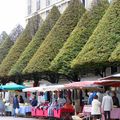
x=112, y=83
x=111, y=77
x=81, y=85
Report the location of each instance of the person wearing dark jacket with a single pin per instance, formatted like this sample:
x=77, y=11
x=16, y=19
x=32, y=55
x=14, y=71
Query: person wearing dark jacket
x=21, y=100
x=15, y=104
x=115, y=100
x=34, y=102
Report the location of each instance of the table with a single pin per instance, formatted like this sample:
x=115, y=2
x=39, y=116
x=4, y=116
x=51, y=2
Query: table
x=115, y=113
x=60, y=113
x=64, y=113
x=22, y=110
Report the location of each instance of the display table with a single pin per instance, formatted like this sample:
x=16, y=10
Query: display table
x=115, y=113
x=63, y=113
x=8, y=108
x=22, y=110
x=60, y=113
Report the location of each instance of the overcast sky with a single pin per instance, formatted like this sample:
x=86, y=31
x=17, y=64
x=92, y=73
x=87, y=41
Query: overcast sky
x=12, y=12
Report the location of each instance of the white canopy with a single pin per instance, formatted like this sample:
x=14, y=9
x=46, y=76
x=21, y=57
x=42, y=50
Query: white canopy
x=52, y=88
x=31, y=89
x=44, y=88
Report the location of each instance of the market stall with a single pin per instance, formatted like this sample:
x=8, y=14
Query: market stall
x=43, y=110
x=115, y=113
x=13, y=89
x=23, y=109
x=112, y=81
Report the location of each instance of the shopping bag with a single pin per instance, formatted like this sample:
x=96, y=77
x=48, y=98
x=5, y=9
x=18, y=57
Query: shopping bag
x=17, y=110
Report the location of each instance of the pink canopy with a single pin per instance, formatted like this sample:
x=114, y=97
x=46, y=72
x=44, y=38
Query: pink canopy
x=92, y=84
x=81, y=84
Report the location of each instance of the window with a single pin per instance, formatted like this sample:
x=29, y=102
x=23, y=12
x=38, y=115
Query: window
x=113, y=69
x=37, y=4
x=47, y=12
x=83, y=1
x=47, y=2
x=109, y=1
x=29, y=6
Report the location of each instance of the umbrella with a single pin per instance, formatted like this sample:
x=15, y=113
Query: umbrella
x=12, y=86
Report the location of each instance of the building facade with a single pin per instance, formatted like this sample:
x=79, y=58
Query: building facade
x=43, y=7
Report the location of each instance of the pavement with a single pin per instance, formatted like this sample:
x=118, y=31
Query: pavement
x=17, y=118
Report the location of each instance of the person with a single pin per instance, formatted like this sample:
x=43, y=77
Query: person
x=15, y=105
x=41, y=98
x=107, y=105
x=115, y=100
x=100, y=96
x=53, y=105
x=2, y=106
x=96, y=108
x=21, y=100
x=91, y=96
x=61, y=100
x=68, y=104
x=34, y=101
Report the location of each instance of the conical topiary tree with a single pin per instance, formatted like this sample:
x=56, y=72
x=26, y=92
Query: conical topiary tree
x=36, y=41
x=56, y=38
x=78, y=38
x=19, y=46
x=15, y=33
x=9, y=41
x=3, y=36
x=5, y=47
x=103, y=40
x=115, y=56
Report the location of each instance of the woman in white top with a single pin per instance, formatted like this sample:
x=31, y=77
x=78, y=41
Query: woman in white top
x=96, y=108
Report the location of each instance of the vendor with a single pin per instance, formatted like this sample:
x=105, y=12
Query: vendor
x=21, y=100
x=34, y=101
x=115, y=99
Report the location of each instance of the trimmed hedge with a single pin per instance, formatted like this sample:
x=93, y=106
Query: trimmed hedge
x=36, y=41
x=19, y=46
x=78, y=38
x=56, y=38
x=5, y=47
x=103, y=41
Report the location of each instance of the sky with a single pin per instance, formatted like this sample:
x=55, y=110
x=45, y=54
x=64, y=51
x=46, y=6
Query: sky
x=12, y=12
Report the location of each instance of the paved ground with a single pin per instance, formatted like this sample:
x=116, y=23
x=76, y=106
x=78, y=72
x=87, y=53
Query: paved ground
x=18, y=118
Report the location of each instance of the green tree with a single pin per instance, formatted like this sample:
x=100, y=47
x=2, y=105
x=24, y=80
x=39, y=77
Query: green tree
x=78, y=38
x=5, y=47
x=56, y=38
x=36, y=41
x=103, y=41
x=19, y=46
